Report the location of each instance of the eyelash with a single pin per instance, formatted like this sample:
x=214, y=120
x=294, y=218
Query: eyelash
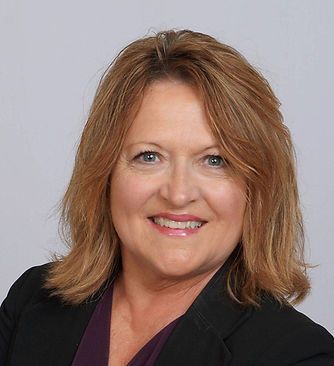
x=154, y=152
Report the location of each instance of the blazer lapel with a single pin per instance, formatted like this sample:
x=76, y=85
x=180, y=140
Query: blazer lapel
x=190, y=344
x=199, y=338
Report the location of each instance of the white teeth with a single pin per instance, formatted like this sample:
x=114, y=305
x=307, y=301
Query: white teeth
x=177, y=224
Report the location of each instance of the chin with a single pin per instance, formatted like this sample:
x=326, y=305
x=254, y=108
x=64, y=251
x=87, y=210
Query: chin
x=179, y=268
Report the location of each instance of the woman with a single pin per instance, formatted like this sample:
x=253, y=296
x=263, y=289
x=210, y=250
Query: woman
x=184, y=226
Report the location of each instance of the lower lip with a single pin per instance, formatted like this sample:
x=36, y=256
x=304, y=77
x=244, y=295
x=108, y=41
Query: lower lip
x=174, y=232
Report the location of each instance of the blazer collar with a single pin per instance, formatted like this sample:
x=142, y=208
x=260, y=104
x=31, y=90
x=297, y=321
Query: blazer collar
x=216, y=308
x=199, y=338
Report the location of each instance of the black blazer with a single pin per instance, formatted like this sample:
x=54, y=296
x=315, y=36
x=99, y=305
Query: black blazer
x=38, y=330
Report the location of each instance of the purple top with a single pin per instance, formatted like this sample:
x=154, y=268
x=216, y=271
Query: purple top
x=94, y=345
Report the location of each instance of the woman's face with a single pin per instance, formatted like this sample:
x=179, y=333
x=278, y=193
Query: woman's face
x=180, y=174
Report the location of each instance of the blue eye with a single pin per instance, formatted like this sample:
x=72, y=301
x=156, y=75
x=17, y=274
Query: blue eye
x=216, y=160
x=148, y=156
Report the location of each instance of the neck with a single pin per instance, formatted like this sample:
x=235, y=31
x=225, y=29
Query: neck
x=145, y=297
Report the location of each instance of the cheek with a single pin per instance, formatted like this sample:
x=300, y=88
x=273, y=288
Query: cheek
x=228, y=201
x=129, y=192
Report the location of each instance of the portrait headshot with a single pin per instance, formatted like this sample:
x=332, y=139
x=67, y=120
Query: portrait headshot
x=183, y=231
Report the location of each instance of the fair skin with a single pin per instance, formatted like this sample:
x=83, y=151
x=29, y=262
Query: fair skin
x=163, y=274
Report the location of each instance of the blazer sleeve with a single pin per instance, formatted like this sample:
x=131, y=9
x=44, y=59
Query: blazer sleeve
x=310, y=345
x=10, y=311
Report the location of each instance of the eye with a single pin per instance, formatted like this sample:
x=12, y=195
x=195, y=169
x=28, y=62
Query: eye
x=147, y=156
x=216, y=161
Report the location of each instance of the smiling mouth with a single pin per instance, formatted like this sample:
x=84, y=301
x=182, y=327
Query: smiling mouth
x=176, y=225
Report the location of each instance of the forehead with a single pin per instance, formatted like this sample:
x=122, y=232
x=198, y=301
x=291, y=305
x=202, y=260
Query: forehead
x=171, y=110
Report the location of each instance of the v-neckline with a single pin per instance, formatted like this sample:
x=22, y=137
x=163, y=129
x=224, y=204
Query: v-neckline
x=94, y=346
x=146, y=355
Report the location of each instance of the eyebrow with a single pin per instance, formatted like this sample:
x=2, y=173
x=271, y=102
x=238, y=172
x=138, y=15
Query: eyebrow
x=160, y=147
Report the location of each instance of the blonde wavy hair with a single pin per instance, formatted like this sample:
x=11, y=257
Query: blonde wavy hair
x=244, y=116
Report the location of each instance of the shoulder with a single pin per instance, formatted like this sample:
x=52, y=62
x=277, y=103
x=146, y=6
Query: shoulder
x=281, y=335
x=23, y=292
x=25, y=289
x=28, y=284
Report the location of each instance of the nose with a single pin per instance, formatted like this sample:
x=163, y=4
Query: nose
x=179, y=186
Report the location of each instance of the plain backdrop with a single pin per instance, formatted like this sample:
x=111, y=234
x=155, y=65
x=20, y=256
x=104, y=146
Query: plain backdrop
x=52, y=55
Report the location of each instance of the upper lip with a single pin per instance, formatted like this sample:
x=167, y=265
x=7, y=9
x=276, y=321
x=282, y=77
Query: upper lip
x=174, y=217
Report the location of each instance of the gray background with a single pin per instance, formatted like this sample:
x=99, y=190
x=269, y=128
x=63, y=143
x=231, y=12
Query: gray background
x=52, y=55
